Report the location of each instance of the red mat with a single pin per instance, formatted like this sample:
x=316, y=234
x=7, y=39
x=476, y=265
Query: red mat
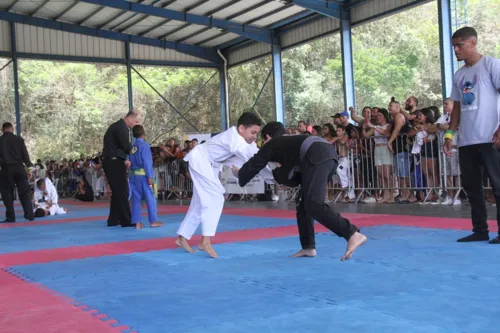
x=25, y=308
x=368, y=219
x=124, y=247
x=170, y=210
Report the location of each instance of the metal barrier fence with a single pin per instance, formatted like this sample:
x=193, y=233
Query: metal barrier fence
x=370, y=170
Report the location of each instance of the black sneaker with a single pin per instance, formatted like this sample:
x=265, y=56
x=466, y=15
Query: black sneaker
x=475, y=237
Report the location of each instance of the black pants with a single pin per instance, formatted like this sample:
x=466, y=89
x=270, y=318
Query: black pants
x=85, y=197
x=13, y=176
x=311, y=203
x=474, y=160
x=116, y=172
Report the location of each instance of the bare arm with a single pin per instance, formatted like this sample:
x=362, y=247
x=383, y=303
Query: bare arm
x=398, y=124
x=413, y=133
x=455, y=116
x=354, y=116
x=367, y=132
x=407, y=115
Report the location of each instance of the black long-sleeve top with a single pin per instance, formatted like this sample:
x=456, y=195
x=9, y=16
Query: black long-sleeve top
x=284, y=150
x=116, y=141
x=13, y=150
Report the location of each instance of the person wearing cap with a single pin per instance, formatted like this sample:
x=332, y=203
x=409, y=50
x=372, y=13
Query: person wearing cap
x=13, y=159
x=342, y=119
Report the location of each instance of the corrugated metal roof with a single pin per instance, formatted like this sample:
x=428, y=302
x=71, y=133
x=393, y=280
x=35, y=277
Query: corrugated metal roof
x=253, y=13
x=192, y=30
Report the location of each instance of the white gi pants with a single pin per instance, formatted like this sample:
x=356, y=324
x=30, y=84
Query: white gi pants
x=206, y=205
x=56, y=210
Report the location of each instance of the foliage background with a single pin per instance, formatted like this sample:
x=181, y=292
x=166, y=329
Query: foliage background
x=66, y=107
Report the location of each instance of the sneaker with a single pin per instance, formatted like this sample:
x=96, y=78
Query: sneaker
x=457, y=202
x=275, y=198
x=369, y=200
x=448, y=201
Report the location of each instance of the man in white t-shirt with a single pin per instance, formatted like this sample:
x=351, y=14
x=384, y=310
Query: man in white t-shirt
x=476, y=109
x=450, y=165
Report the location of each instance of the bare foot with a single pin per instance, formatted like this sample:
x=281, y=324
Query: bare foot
x=138, y=225
x=182, y=242
x=156, y=224
x=354, y=242
x=208, y=249
x=305, y=253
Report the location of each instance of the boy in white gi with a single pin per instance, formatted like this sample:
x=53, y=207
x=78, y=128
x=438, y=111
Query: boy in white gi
x=46, y=199
x=205, y=162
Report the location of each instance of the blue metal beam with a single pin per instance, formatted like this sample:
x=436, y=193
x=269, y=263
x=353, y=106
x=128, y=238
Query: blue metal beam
x=347, y=64
x=279, y=91
x=255, y=33
x=353, y=3
x=17, y=102
x=444, y=14
x=292, y=19
x=145, y=62
x=129, y=77
x=163, y=22
x=281, y=24
x=322, y=7
x=255, y=19
x=224, y=98
x=233, y=42
x=171, y=63
x=196, y=51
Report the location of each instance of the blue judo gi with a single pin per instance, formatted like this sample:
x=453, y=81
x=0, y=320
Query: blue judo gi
x=141, y=166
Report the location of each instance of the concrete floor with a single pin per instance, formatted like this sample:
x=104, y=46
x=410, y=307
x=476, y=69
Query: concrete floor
x=434, y=210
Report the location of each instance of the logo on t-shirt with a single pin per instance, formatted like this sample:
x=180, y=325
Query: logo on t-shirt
x=468, y=97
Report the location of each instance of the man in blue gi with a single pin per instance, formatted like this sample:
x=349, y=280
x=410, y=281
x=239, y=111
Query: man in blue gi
x=141, y=180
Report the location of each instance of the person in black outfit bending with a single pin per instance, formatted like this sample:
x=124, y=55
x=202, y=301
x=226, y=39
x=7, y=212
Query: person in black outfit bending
x=309, y=161
x=115, y=164
x=13, y=157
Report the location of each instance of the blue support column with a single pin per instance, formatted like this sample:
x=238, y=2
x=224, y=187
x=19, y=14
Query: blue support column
x=224, y=98
x=444, y=17
x=347, y=62
x=17, y=102
x=279, y=92
x=129, y=77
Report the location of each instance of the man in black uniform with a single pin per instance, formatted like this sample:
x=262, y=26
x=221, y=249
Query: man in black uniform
x=115, y=164
x=309, y=161
x=13, y=157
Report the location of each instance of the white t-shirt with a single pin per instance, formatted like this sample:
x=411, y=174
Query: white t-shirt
x=476, y=88
x=444, y=120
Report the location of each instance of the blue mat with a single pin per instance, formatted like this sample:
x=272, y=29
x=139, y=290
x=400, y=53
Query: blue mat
x=33, y=237
x=407, y=280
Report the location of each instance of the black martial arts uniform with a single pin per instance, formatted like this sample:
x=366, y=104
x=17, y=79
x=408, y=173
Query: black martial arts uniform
x=308, y=161
x=13, y=157
x=114, y=154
